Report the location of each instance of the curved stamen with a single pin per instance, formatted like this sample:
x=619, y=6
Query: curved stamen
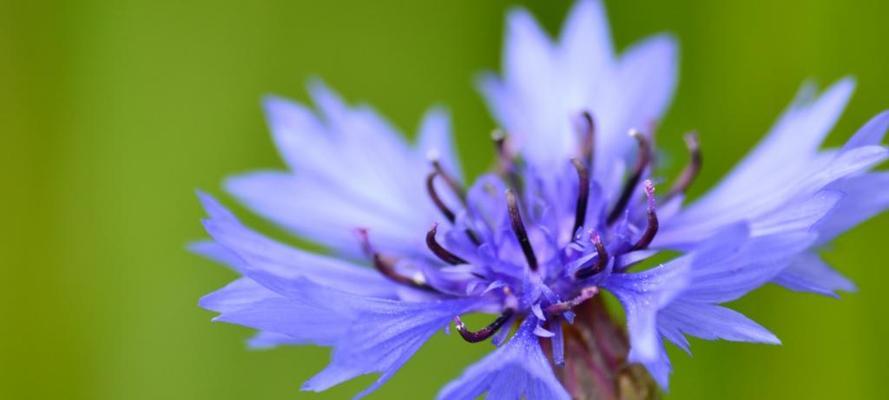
x=515, y=217
x=486, y=332
x=433, y=194
x=386, y=265
x=690, y=172
x=588, y=145
x=443, y=208
x=601, y=260
x=441, y=252
x=653, y=224
x=585, y=294
x=505, y=159
x=642, y=162
x=583, y=195
x=452, y=182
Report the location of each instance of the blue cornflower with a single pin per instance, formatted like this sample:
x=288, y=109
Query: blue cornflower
x=570, y=212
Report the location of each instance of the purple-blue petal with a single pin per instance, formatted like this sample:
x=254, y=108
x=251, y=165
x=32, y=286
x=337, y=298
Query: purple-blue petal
x=382, y=337
x=286, y=263
x=809, y=273
x=642, y=295
x=517, y=370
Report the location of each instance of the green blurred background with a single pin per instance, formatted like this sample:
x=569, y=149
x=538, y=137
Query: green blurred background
x=113, y=112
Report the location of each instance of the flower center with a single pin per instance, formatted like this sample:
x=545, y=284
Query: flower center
x=577, y=263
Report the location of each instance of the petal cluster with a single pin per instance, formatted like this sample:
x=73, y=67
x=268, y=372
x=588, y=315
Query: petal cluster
x=571, y=211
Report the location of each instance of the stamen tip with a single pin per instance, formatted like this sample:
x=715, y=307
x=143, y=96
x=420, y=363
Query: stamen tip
x=589, y=292
x=692, y=140
x=595, y=238
x=649, y=193
x=433, y=155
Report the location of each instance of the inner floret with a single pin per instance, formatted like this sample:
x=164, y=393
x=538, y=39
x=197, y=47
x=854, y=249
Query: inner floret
x=499, y=237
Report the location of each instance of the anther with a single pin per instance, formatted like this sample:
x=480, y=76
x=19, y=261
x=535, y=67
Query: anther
x=642, y=161
x=588, y=145
x=499, y=139
x=583, y=194
x=515, y=217
x=386, y=266
x=486, y=332
x=443, y=208
x=691, y=170
x=449, y=179
x=441, y=252
x=439, y=203
x=601, y=260
x=653, y=224
x=585, y=294
x=505, y=159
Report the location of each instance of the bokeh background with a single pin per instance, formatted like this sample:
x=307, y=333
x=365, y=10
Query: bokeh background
x=112, y=112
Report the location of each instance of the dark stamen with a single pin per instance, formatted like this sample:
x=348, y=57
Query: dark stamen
x=386, y=265
x=506, y=159
x=585, y=294
x=440, y=251
x=433, y=194
x=641, y=163
x=452, y=182
x=486, y=332
x=601, y=260
x=652, y=227
x=588, y=146
x=690, y=172
x=518, y=227
x=583, y=195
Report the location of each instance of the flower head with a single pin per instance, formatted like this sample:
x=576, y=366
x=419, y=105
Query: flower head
x=571, y=211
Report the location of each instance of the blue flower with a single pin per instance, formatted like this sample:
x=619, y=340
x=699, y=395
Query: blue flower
x=571, y=211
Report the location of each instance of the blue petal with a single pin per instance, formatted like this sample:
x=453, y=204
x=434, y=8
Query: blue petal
x=864, y=197
x=871, y=133
x=238, y=294
x=634, y=97
x=730, y=265
x=435, y=137
x=792, y=142
x=546, y=85
x=586, y=39
x=517, y=370
x=711, y=322
x=286, y=263
x=266, y=340
x=324, y=214
x=659, y=367
x=642, y=295
x=558, y=342
x=350, y=169
x=802, y=216
x=703, y=320
x=785, y=168
x=245, y=302
x=302, y=323
x=771, y=199
x=219, y=253
x=680, y=297
x=808, y=273
x=382, y=337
